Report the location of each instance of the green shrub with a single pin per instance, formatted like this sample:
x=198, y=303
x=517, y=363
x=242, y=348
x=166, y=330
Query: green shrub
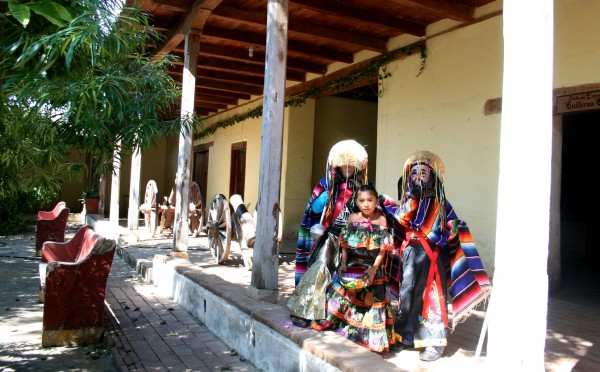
x=16, y=211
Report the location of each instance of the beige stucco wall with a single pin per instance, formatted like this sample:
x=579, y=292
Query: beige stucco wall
x=576, y=42
x=297, y=165
x=338, y=119
x=442, y=111
x=219, y=160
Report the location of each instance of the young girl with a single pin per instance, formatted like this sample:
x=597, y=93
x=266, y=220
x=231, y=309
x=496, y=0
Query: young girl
x=358, y=309
x=346, y=171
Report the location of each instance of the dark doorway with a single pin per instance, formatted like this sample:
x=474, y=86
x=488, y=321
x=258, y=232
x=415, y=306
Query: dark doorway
x=580, y=256
x=200, y=173
x=237, y=179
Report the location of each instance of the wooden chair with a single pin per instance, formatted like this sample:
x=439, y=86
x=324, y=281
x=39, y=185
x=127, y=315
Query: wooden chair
x=150, y=207
x=195, y=210
x=73, y=278
x=167, y=212
x=50, y=226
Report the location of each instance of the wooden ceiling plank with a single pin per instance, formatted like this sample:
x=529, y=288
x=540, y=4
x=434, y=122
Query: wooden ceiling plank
x=259, y=57
x=179, y=6
x=300, y=28
x=230, y=76
x=242, y=69
x=205, y=112
x=363, y=16
x=293, y=45
x=232, y=87
x=205, y=104
x=215, y=99
x=222, y=93
x=224, y=76
x=148, y=6
x=441, y=8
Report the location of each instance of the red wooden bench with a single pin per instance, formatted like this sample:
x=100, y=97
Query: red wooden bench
x=73, y=278
x=51, y=226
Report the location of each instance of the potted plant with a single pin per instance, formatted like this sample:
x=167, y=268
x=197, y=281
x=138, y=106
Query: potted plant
x=90, y=200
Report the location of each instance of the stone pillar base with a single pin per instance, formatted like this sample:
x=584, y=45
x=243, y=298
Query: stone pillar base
x=183, y=255
x=267, y=295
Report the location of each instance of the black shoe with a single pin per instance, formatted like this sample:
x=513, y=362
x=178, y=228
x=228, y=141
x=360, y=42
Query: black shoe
x=429, y=355
x=300, y=322
x=399, y=347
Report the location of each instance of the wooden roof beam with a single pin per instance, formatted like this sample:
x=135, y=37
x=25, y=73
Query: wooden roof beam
x=363, y=16
x=196, y=14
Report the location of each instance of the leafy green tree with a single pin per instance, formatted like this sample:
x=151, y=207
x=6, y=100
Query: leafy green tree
x=77, y=75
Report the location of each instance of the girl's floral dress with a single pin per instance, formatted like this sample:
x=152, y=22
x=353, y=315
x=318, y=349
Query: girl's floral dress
x=363, y=316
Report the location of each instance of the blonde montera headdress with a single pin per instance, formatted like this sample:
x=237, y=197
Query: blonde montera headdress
x=348, y=152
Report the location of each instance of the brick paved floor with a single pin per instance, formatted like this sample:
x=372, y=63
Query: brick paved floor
x=149, y=332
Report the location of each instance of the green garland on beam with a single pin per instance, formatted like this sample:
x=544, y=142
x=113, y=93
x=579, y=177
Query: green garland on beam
x=377, y=67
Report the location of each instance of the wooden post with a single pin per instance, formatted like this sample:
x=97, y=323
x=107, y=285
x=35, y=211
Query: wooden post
x=102, y=195
x=265, y=263
x=182, y=181
x=115, y=188
x=133, y=213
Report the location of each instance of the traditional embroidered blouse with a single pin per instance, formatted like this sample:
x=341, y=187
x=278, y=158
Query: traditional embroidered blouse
x=365, y=235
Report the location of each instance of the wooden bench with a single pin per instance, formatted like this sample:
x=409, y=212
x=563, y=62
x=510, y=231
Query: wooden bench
x=73, y=278
x=51, y=226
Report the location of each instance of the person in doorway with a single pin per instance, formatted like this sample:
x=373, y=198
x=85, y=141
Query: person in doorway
x=430, y=241
x=357, y=305
x=346, y=171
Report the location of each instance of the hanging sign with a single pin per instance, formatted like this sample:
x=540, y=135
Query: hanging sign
x=578, y=102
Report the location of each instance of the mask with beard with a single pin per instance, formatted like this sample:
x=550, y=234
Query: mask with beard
x=421, y=182
x=421, y=191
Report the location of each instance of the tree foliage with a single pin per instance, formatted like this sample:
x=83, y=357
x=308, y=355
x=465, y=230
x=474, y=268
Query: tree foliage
x=77, y=75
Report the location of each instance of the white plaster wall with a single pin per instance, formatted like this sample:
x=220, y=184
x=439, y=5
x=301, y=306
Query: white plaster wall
x=442, y=111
